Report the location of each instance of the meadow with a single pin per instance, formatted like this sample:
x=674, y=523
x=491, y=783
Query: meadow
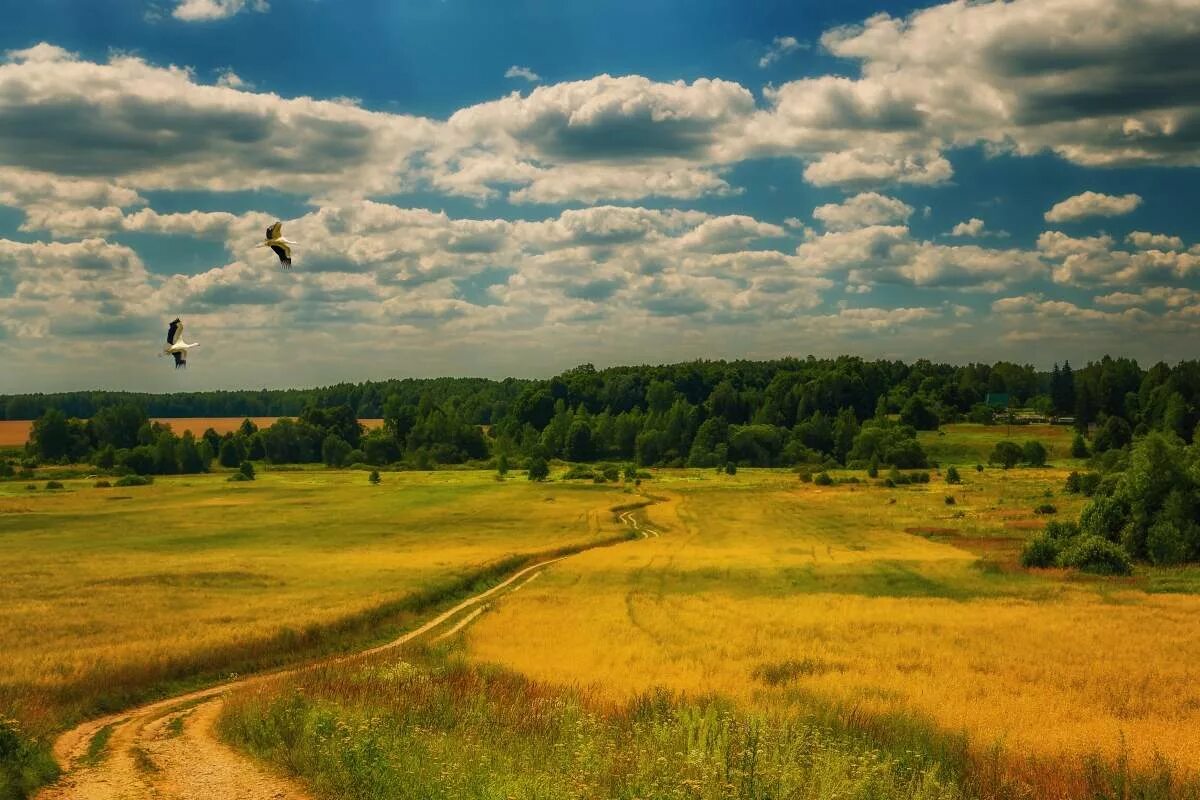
x=111, y=595
x=891, y=628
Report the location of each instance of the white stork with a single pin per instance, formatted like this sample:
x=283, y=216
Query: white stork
x=279, y=245
x=176, y=346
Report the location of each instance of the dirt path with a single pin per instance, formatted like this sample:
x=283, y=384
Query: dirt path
x=168, y=750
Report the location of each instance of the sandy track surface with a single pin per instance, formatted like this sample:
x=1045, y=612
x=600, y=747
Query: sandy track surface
x=168, y=749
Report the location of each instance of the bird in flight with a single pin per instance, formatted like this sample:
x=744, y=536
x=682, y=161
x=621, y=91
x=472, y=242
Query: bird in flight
x=176, y=346
x=279, y=245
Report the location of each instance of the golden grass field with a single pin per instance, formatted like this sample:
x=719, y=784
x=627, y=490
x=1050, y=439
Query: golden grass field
x=14, y=433
x=772, y=591
x=107, y=592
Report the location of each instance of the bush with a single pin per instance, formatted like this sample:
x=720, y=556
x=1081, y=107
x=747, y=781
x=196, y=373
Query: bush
x=822, y=479
x=103, y=485
x=539, y=470
x=611, y=473
x=873, y=468
x=32, y=487
x=25, y=764
x=979, y=467
x=950, y=500
x=1103, y=517
x=806, y=475
x=1062, y=530
x=1033, y=453
x=952, y=475
x=1074, y=483
x=1041, y=551
x=53, y=485
x=246, y=470
x=1006, y=454
x=919, y=477
x=730, y=468
x=1046, y=508
x=374, y=477
x=1079, y=448
x=1090, y=553
x=1165, y=543
x=135, y=480
x=579, y=472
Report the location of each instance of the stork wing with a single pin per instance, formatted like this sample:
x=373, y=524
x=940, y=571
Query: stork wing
x=274, y=231
x=285, y=254
x=180, y=358
x=175, y=332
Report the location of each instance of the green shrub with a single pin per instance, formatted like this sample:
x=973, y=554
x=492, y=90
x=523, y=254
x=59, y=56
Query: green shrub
x=920, y=477
x=579, y=472
x=806, y=475
x=1062, y=530
x=1079, y=448
x=1033, y=453
x=1165, y=543
x=1046, y=508
x=53, y=485
x=1041, y=551
x=1006, y=454
x=1074, y=483
x=873, y=468
x=246, y=470
x=1103, y=517
x=135, y=480
x=25, y=765
x=979, y=467
x=1091, y=553
x=822, y=479
x=102, y=484
x=950, y=500
x=952, y=475
x=539, y=470
x=611, y=473
x=730, y=468
x=374, y=477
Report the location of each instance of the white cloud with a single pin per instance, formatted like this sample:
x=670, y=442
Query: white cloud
x=779, y=47
x=861, y=211
x=208, y=10
x=522, y=72
x=231, y=80
x=971, y=228
x=1092, y=204
x=1154, y=241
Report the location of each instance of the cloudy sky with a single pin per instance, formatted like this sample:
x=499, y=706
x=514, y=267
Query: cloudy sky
x=495, y=188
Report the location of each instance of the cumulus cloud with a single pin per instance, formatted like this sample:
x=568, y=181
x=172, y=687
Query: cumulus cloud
x=150, y=127
x=1154, y=241
x=863, y=210
x=1092, y=204
x=522, y=72
x=779, y=47
x=208, y=10
x=231, y=80
x=971, y=228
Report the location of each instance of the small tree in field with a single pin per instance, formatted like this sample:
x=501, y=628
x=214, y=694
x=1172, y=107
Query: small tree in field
x=1079, y=448
x=952, y=475
x=1034, y=453
x=730, y=468
x=247, y=470
x=374, y=477
x=539, y=470
x=502, y=465
x=1006, y=454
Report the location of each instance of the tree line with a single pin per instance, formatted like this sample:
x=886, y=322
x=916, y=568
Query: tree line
x=841, y=411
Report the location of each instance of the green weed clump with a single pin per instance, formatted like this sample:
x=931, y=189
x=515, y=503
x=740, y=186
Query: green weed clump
x=449, y=730
x=25, y=763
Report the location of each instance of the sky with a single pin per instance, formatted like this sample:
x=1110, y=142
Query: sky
x=492, y=188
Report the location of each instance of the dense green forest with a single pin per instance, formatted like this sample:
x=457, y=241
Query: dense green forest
x=705, y=413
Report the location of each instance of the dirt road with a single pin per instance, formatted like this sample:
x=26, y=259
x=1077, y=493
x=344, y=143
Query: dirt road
x=168, y=750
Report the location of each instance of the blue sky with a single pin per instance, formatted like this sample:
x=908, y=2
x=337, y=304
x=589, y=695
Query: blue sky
x=512, y=188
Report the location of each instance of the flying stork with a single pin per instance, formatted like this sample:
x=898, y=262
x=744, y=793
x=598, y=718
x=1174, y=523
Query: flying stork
x=279, y=245
x=176, y=346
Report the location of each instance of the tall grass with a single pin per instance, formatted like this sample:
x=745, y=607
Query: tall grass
x=444, y=729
